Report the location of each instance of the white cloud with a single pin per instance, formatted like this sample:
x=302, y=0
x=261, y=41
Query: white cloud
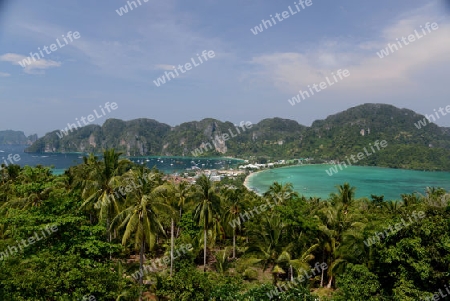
x=3, y=74
x=292, y=71
x=129, y=48
x=34, y=67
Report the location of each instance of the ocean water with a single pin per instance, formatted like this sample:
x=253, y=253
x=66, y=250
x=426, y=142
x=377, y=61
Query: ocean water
x=61, y=162
x=312, y=180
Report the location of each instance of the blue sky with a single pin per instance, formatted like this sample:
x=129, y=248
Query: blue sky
x=251, y=77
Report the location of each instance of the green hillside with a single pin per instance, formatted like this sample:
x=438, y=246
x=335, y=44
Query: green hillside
x=344, y=134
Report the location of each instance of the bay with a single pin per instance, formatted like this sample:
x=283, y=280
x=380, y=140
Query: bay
x=313, y=180
x=63, y=161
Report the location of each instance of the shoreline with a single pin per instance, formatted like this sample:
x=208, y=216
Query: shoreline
x=389, y=192
x=247, y=178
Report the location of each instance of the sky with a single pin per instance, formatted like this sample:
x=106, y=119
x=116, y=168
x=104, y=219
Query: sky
x=250, y=77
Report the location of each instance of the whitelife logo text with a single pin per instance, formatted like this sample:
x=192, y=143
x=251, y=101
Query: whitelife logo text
x=91, y=118
x=53, y=47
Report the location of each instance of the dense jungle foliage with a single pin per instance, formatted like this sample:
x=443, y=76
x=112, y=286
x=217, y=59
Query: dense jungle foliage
x=211, y=240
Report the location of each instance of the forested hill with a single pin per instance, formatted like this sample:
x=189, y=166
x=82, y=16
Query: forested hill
x=410, y=145
x=16, y=137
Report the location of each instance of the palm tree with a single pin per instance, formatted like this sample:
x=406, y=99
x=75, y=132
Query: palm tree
x=102, y=179
x=183, y=194
x=435, y=192
x=279, y=193
x=222, y=263
x=140, y=218
x=80, y=174
x=234, y=204
x=302, y=262
x=436, y=197
x=392, y=207
x=335, y=220
x=268, y=236
x=353, y=248
x=165, y=193
x=206, y=211
x=345, y=196
x=175, y=196
x=410, y=200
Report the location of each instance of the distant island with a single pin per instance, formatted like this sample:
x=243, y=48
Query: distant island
x=10, y=137
x=326, y=141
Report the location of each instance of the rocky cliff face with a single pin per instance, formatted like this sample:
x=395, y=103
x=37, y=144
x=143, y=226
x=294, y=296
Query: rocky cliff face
x=335, y=137
x=134, y=138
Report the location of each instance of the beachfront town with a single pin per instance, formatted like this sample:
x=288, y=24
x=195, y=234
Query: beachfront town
x=247, y=168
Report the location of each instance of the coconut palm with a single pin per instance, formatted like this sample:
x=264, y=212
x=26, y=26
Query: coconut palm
x=207, y=210
x=141, y=219
x=436, y=197
x=184, y=193
x=102, y=179
x=410, y=200
x=392, y=207
x=268, y=236
x=302, y=262
x=352, y=248
x=234, y=203
x=175, y=196
x=279, y=193
x=345, y=196
x=335, y=220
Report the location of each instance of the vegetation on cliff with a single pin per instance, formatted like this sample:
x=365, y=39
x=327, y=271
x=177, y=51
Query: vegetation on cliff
x=16, y=138
x=337, y=136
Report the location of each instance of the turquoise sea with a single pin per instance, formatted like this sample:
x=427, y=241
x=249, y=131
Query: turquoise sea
x=312, y=180
x=61, y=162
